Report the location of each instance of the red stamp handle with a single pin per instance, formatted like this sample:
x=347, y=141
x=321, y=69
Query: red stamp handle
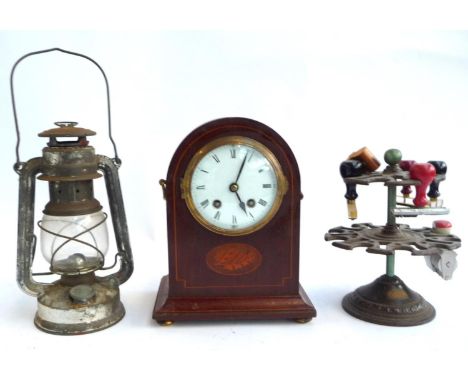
x=425, y=173
x=405, y=165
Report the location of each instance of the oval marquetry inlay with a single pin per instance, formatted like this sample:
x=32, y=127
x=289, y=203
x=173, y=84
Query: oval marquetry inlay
x=234, y=259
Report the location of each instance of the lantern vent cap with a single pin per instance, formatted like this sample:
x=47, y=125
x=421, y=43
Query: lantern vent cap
x=67, y=129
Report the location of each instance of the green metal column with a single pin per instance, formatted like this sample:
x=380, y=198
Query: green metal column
x=390, y=271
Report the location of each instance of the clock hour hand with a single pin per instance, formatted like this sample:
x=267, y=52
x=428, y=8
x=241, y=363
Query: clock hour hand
x=241, y=203
x=234, y=187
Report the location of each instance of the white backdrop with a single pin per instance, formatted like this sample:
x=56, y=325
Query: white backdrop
x=327, y=94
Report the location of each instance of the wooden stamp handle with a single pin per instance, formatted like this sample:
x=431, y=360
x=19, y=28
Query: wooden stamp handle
x=425, y=173
x=348, y=169
x=441, y=169
x=405, y=165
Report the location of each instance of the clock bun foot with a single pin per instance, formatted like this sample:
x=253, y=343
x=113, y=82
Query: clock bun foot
x=303, y=320
x=166, y=322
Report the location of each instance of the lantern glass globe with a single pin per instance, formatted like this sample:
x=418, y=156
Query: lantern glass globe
x=74, y=244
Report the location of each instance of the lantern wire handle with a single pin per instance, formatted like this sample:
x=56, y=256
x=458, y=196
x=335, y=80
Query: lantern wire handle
x=19, y=165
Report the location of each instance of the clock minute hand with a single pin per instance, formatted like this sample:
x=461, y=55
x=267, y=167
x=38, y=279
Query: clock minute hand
x=241, y=168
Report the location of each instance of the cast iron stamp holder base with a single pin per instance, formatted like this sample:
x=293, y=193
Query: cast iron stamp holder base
x=388, y=301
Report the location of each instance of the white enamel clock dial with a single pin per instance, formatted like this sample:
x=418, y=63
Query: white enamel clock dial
x=234, y=185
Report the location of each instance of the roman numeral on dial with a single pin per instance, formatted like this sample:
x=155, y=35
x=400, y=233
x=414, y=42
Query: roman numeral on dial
x=262, y=202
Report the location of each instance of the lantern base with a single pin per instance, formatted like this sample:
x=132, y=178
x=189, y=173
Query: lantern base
x=388, y=301
x=59, y=313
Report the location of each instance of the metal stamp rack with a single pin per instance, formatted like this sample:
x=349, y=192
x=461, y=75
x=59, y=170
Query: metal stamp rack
x=387, y=300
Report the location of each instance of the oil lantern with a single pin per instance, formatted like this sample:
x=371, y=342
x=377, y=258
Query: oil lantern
x=73, y=229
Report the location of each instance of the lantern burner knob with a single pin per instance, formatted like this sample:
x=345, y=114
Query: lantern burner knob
x=82, y=293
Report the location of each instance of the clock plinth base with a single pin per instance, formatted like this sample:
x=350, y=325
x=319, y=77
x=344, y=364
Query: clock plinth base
x=388, y=301
x=297, y=307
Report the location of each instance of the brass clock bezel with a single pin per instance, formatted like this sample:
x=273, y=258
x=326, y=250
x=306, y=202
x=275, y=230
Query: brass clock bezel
x=282, y=183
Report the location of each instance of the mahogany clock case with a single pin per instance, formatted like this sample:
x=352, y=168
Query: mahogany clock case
x=269, y=288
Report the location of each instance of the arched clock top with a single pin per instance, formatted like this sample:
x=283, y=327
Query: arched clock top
x=233, y=126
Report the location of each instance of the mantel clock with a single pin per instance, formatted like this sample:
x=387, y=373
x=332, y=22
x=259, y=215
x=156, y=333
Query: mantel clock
x=233, y=207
